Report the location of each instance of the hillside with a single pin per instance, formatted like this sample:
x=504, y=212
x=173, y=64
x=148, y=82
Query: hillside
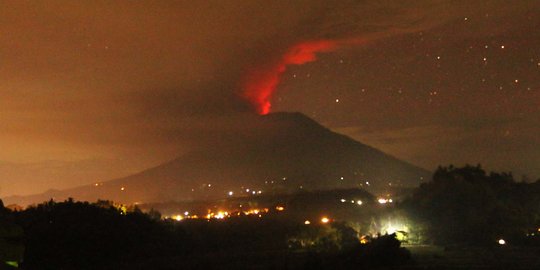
x=279, y=152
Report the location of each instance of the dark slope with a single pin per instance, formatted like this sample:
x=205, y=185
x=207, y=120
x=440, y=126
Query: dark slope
x=278, y=152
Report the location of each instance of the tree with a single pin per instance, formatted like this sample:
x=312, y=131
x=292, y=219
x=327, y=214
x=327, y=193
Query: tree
x=80, y=235
x=11, y=236
x=466, y=205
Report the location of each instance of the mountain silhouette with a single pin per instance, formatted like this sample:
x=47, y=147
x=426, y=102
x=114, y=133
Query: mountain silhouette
x=278, y=152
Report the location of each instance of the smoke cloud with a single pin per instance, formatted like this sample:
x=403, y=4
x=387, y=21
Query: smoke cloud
x=261, y=84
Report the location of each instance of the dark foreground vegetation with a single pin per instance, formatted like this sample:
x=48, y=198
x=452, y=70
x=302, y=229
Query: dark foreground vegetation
x=471, y=207
x=462, y=211
x=78, y=235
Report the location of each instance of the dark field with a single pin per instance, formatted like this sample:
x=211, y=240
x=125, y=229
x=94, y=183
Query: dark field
x=507, y=257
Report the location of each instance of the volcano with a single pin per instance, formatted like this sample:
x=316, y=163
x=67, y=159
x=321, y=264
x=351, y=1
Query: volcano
x=274, y=153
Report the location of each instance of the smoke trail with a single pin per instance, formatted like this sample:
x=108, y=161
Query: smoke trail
x=260, y=84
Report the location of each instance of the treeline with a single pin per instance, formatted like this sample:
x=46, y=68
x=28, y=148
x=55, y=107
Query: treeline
x=82, y=235
x=469, y=206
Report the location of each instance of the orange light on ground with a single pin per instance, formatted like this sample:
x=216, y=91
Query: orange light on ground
x=221, y=215
x=363, y=240
x=325, y=220
x=307, y=222
x=280, y=208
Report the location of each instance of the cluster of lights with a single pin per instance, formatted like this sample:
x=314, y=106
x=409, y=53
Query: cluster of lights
x=358, y=202
x=223, y=214
x=180, y=217
x=244, y=190
x=255, y=211
x=533, y=233
x=251, y=191
x=274, y=182
x=384, y=201
x=218, y=215
x=324, y=220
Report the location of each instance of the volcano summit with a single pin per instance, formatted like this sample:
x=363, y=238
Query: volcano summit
x=277, y=153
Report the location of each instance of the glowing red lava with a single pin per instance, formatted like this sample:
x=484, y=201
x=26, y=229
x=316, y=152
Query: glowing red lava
x=261, y=84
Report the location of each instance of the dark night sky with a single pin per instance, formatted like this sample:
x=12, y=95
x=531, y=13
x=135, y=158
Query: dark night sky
x=101, y=89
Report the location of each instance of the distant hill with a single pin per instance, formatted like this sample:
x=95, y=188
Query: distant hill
x=279, y=152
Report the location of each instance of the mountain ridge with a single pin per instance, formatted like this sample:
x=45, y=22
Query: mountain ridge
x=278, y=152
